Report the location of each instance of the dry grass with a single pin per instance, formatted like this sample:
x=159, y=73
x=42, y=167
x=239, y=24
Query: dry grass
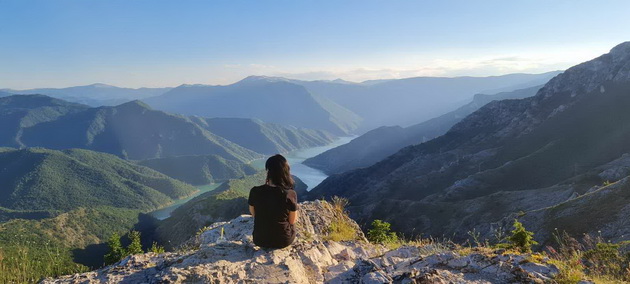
x=341, y=227
x=590, y=258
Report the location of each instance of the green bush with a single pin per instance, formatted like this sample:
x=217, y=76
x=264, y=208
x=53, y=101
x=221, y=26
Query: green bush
x=381, y=233
x=521, y=239
x=155, y=248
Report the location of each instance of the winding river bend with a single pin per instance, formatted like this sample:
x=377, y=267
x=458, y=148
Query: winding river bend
x=310, y=176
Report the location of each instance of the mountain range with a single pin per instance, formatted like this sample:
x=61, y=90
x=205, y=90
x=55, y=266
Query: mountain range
x=408, y=101
x=135, y=131
x=271, y=101
x=509, y=157
x=337, y=106
x=377, y=144
x=95, y=94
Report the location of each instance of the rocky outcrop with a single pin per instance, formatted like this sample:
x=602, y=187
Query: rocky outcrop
x=312, y=259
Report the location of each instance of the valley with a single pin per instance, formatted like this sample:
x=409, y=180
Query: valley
x=309, y=176
x=506, y=166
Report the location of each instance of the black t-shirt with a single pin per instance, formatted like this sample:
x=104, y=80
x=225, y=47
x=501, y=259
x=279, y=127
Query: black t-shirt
x=271, y=222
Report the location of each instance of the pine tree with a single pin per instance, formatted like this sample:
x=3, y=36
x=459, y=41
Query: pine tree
x=521, y=239
x=116, y=252
x=135, y=247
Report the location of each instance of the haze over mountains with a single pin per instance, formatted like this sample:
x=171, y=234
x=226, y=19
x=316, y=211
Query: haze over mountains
x=381, y=142
x=134, y=131
x=95, y=94
x=409, y=101
x=510, y=156
x=337, y=106
x=270, y=101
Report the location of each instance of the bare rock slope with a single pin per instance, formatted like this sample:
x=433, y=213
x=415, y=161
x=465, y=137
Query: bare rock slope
x=311, y=259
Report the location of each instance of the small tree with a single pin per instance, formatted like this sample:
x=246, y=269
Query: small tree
x=135, y=247
x=521, y=239
x=381, y=233
x=116, y=252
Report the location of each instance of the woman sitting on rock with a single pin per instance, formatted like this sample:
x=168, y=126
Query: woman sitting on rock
x=274, y=206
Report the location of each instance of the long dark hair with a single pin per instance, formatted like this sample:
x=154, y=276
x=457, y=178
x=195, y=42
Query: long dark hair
x=279, y=172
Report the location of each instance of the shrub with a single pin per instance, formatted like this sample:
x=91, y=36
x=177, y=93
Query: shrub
x=339, y=203
x=155, y=248
x=381, y=233
x=605, y=259
x=521, y=239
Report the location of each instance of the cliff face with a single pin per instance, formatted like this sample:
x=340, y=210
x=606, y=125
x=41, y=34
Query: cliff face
x=311, y=259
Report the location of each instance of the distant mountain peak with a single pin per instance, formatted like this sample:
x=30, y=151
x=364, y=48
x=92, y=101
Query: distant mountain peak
x=101, y=85
x=255, y=79
x=135, y=104
x=622, y=48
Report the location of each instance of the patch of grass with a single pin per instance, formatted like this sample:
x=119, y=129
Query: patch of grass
x=340, y=230
x=341, y=227
x=592, y=257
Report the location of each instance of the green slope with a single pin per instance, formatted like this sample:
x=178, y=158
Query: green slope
x=56, y=207
x=134, y=131
x=19, y=112
x=199, y=170
x=40, y=179
x=33, y=249
x=262, y=137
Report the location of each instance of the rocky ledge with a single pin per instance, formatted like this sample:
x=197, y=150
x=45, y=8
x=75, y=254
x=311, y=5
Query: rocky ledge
x=313, y=258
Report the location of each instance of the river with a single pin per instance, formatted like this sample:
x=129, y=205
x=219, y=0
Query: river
x=310, y=176
x=165, y=212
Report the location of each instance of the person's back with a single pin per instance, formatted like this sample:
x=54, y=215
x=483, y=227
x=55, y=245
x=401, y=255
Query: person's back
x=274, y=206
x=271, y=223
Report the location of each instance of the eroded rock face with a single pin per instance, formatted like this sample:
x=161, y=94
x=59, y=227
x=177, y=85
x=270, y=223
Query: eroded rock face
x=311, y=259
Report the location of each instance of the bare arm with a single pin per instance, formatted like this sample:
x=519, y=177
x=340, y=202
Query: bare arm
x=252, y=211
x=292, y=217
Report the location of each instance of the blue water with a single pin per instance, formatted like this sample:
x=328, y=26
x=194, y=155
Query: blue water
x=165, y=212
x=310, y=176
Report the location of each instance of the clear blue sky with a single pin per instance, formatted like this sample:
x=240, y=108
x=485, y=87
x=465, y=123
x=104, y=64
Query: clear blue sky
x=137, y=43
